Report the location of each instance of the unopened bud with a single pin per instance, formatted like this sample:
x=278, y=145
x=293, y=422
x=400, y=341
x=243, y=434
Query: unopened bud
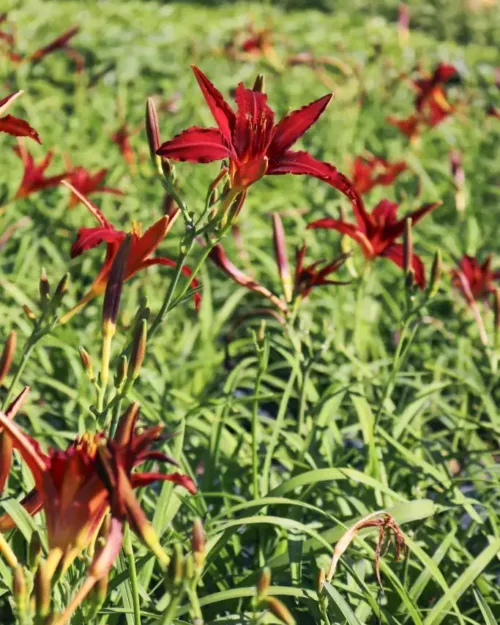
x=260, y=83
x=114, y=288
x=168, y=169
x=263, y=582
x=7, y=355
x=34, y=551
x=407, y=247
x=176, y=566
x=261, y=334
x=496, y=310
x=29, y=313
x=198, y=544
x=20, y=591
x=42, y=591
x=61, y=290
x=435, y=274
x=320, y=580
x=86, y=361
x=121, y=371
x=138, y=350
x=44, y=287
x=188, y=567
x=153, y=134
x=280, y=611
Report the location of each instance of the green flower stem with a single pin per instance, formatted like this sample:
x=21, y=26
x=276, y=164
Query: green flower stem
x=106, y=357
x=170, y=613
x=129, y=553
x=256, y=434
x=28, y=348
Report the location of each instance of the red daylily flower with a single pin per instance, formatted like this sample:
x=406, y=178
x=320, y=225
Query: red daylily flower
x=250, y=139
x=305, y=277
x=409, y=126
x=475, y=280
x=77, y=487
x=13, y=125
x=88, y=183
x=376, y=232
x=34, y=174
x=122, y=139
x=59, y=43
x=140, y=257
x=493, y=111
x=371, y=171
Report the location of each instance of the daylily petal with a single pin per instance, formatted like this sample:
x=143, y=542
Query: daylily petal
x=32, y=503
x=196, y=145
x=18, y=128
x=87, y=238
x=144, y=479
x=253, y=129
x=146, y=244
x=345, y=228
x=297, y=123
x=8, y=100
x=385, y=212
x=104, y=559
x=92, y=208
x=395, y=253
x=220, y=109
x=395, y=230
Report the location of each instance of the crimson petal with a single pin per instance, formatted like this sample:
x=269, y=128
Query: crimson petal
x=18, y=128
x=395, y=253
x=294, y=125
x=220, y=109
x=89, y=238
x=196, y=145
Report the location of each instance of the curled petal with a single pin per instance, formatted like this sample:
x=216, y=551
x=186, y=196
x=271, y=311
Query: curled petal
x=196, y=145
x=8, y=101
x=88, y=238
x=18, y=128
x=144, y=479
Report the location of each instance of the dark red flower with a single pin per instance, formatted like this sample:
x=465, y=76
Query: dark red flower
x=250, y=139
x=493, y=111
x=376, y=232
x=59, y=43
x=409, y=126
x=122, y=139
x=479, y=278
x=77, y=487
x=142, y=247
x=85, y=182
x=34, y=174
x=371, y=171
x=13, y=125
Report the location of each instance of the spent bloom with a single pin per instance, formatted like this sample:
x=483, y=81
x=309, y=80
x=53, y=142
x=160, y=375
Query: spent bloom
x=376, y=232
x=14, y=125
x=95, y=475
x=142, y=247
x=34, y=178
x=371, y=171
x=475, y=280
x=251, y=139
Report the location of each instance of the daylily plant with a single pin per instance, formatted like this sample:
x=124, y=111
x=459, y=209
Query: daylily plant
x=13, y=125
x=371, y=171
x=251, y=140
x=305, y=278
x=142, y=247
x=77, y=487
x=376, y=232
x=34, y=178
x=475, y=280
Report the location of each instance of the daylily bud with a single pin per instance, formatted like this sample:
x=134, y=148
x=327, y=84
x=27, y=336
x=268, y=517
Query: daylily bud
x=261, y=334
x=29, y=313
x=86, y=361
x=153, y=133
x=260, y=83
x=320, y=580
x=138, y=350
x=61, y=290
x=188, y=567
x=20, y=592
x=42, y=591
x=496, y=310
x=281, y=257
x=121, y=371
x=198, y=544
x=7, y=355
x=44, y=287
x=407, y=247
x=175, y=571
x=114, y=288
x=435, y=274
x=34, y=551
x=263, y=583
x=280, y=611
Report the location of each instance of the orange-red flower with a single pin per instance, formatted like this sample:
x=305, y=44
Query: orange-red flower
x=376, y=232
x=371, y=171
x=254, y=144
x=78, y=486
x=34, y=178
x=140, y=256
x=13, y=125
x=87, y=183
x=475, y=280
x=6, y=442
